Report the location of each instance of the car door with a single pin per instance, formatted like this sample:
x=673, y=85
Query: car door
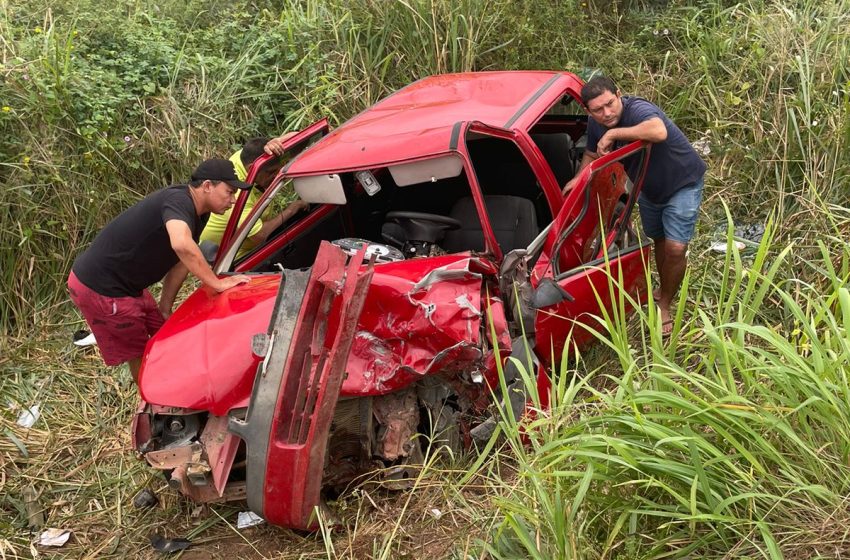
x=590, y=252
x=290, y=146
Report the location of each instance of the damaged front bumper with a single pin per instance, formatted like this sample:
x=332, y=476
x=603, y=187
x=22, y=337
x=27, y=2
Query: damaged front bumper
x=297, y=386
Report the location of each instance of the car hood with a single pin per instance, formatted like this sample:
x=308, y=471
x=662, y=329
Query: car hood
x=201, y=358
x=421, y=317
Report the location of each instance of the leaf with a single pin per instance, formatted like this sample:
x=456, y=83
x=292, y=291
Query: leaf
x=18, y=443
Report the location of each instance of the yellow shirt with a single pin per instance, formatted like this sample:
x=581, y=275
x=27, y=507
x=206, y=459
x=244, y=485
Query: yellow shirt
x=217, y=223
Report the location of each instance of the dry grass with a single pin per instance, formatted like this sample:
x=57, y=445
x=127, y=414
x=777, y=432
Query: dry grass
x=80, y=462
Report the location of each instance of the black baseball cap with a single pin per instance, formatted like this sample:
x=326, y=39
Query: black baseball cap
x=219, y=170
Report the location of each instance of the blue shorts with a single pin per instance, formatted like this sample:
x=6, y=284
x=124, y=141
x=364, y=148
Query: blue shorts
x=676, y=219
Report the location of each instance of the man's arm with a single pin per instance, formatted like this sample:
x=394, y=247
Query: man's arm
x=586, y=158
x=170, y=286
x=270, y=225
x=275, y=145
x=650, y=130
x=191, y=257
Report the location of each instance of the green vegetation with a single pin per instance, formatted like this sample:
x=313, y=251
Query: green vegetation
x=731, y=440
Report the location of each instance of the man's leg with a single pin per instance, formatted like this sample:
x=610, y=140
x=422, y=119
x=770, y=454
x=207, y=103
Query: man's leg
x=153, y=320
x=653, y=227
x=679, y=217
x=659, y=263
x=671, y=270
x=121, y=326
x=135, y=364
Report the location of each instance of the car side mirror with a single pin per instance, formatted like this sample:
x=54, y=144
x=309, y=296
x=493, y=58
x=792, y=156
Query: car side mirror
x=549, y=293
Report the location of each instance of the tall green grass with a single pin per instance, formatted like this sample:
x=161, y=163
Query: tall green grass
x=767, y=83
x=103, y=104
x=730, y=440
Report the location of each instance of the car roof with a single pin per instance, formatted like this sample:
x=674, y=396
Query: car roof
x=420, y=120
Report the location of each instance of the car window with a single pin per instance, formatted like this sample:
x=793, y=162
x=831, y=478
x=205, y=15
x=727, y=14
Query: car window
x=566, y=105
x=370, y=213
x=560, y=136
x=263, y=205
x=515, y=202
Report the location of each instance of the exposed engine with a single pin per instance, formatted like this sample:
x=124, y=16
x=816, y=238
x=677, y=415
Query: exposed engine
x=378, y=435
x=378, y=251
x=190, y=448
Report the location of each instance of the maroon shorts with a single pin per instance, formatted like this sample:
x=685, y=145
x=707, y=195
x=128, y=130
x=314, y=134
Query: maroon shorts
x=121, y=325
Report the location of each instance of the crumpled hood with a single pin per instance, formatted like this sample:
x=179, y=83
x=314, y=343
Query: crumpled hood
x=201, y=358
x=421, y=317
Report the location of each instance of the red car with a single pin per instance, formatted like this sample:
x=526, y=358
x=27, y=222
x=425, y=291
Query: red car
x=437, y=243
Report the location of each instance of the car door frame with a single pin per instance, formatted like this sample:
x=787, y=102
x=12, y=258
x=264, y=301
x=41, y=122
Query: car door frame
x=235, y=233
x=533, y=157
x=562, y=225
x=587, y=283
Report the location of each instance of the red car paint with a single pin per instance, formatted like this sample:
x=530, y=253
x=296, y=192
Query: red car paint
x=211, y=333
x=432, y=108
x=417, y=321
x=350, y=357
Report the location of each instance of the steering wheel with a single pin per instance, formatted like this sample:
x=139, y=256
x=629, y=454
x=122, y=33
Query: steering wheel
x=422, y=216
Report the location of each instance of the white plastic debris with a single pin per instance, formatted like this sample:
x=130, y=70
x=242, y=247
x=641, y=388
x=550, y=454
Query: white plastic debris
x=722, y=246
x=248, y=519
x=29, y=417
x=702, y=146
x=54, y=537
x=435, y=513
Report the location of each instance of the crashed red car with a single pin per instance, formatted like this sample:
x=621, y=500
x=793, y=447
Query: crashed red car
x=437, y=243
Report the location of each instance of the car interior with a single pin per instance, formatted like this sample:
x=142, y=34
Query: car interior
x=439, y=216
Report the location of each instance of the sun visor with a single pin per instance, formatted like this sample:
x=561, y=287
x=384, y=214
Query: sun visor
x=426, y=170
x=320, y=189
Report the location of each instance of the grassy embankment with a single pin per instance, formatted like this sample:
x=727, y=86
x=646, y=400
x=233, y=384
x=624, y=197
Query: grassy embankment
x=730, y=440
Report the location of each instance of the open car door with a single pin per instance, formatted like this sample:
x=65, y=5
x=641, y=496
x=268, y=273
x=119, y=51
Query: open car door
x=590, y=243
x=293, y=144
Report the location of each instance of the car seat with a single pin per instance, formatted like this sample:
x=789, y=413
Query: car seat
x=513, y=219
x=557, y=149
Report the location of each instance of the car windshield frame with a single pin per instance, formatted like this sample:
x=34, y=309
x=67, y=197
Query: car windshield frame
x=228, y=261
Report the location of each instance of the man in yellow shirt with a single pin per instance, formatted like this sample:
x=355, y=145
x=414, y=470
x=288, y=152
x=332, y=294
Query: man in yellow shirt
x=242, y=160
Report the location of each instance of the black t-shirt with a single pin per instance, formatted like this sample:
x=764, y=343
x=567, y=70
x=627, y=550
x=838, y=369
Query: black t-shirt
x=133, y=251
x=673, y=163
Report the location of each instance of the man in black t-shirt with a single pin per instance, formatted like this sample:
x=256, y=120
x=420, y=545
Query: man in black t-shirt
x=672, y=187
x=153, y=240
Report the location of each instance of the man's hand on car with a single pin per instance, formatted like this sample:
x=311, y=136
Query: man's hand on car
x=569, y=186
x=229, y=281
x=605, y=144
x=298, y=205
